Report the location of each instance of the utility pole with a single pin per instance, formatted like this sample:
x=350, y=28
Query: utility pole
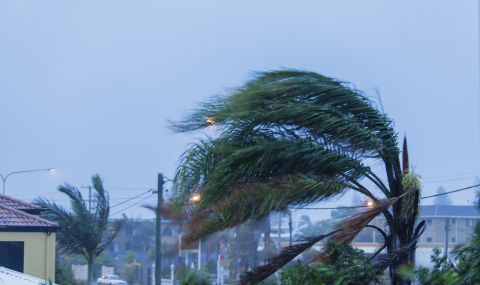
x=290, y=228
x=237, y=254
x=447, y=226
x=279, y=231
x=158, y=232
x=89, y=196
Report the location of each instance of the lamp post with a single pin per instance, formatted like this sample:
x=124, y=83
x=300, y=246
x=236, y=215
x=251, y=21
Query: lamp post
x=5, y=177
x=195, y=198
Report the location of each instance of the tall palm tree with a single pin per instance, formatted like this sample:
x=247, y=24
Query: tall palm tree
x=290, y=138
x=83, y=232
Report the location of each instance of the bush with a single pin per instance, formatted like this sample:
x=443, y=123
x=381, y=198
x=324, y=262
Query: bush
x=440, y=274
x=195, y=278
x=64, y=275
x=349, y=266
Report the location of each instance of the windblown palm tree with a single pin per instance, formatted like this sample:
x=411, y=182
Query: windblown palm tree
x=83, y=232
x=290, y=138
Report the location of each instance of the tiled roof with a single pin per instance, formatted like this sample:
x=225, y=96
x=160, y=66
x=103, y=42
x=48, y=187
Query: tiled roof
x=449, y=211
x=18, y=204
x=12, y=219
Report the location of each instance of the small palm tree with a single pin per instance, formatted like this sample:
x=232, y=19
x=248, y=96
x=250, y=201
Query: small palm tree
x=305, y=221
x=83, y=232
x=290, y=138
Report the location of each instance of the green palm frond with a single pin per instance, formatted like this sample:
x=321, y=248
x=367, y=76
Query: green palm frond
x=274, y=264
x=83, y=232
x=301, y=103
x=256, y=200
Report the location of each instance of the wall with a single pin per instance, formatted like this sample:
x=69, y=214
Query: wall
x=39, y=250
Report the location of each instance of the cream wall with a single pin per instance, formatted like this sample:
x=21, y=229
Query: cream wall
x=39, y=252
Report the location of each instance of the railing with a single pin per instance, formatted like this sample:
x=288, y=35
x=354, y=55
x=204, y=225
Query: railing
x=10, y=277
x=166, y=282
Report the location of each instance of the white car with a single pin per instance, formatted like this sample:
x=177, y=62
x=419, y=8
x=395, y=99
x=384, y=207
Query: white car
x=111, y=280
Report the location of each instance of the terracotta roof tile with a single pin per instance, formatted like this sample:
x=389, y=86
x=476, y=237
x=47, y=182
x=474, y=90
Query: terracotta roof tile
x=11, y=218
x=17, y=204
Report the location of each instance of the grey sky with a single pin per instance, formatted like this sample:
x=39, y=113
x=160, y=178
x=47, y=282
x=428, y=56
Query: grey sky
x=87, y=86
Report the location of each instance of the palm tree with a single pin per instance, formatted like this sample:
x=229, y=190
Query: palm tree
x=290, y=138
x=83, y=232
x=305, y=221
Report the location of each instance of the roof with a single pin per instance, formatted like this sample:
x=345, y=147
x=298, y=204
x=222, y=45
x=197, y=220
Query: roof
x=15, y=220
x=8, y=277
x=19, y=205
x=449, y=211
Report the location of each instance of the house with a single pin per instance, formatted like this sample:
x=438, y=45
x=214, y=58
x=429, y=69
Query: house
x=445, y=226
x=27, y=242
x=455, y=222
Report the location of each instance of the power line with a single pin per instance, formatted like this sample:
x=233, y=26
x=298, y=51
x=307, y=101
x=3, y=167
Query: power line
x=449, y=192
x=329, y=208
x=126, y=188
x=365, y=206
x=132, y=205
x=132, y=198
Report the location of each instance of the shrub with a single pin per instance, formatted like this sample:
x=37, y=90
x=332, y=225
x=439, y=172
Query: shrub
x=348, y=266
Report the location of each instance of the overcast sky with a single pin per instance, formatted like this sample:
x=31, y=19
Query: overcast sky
x=88, y=86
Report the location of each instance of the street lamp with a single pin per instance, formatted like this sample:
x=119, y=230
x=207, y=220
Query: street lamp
x=195, y=198
x=5, y=177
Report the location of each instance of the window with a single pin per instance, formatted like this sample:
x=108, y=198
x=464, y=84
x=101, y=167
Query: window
x=454, y=239
x=454, y=221
x=167, y=231
x=429, y=239
x=469, y=223
x=429, y=221
x=12, y=255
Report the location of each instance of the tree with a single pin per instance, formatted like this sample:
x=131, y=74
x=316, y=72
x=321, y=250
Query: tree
x=349, y=267
x=290, y=138
x=443, y=199
x=83, y=232
x=131, y=267
x=319, y=227
x=304, y=221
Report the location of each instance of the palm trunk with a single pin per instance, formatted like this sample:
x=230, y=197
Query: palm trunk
x=267, y=237
x=407, y=259
x=90, y=272
x=403, y=237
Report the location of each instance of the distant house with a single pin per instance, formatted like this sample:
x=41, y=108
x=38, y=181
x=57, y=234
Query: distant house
x=457, y=223
x=442, y=221
x=460, y=222
x=27, y=242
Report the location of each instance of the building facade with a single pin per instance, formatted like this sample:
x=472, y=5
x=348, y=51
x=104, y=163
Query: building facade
x=27, y=242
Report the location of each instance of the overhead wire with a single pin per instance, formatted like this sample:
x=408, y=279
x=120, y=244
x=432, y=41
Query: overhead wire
x=130, y=206
x=365, y=206
x=132, y=198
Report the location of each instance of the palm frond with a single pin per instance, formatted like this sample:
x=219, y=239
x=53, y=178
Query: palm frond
x=405, y=161
x=276, y=263
x=82, y=232
x=410, y=206
x=302, y=102
x=256, y=200
x=349, y=228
